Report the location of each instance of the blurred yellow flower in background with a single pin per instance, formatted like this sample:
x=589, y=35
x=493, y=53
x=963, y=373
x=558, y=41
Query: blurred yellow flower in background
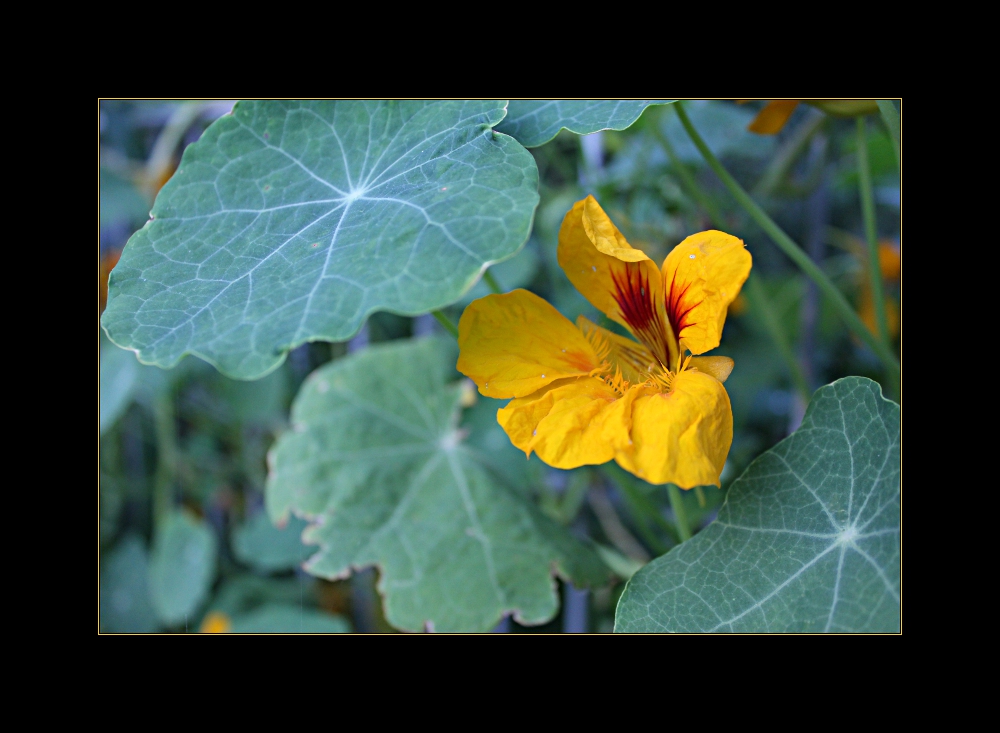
x=772, y=119
x=215, y=622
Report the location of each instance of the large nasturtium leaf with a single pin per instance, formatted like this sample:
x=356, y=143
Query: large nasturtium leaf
x=807, y=540
x=290, y=222
x=377, y=459
x=181, y=568
x=533, y=122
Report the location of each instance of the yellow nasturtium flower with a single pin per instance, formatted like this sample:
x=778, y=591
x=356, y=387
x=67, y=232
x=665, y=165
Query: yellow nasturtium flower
x=584, y=395
x=771, y=120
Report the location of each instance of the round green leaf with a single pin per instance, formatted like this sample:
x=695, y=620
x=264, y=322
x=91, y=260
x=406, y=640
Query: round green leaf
x=119, y=373
x=293, y=221
x=263, y=546
x=807, y=540
x=377, y=460
x=124, y=597
x=277, y=618
x=533, y=122
x=181, y=568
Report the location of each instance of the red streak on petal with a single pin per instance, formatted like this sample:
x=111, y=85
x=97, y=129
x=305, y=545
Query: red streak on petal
x=635, y=301
x=675, y=301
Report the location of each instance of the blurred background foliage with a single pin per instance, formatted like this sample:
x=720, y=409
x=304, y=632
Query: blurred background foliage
x=190, y=437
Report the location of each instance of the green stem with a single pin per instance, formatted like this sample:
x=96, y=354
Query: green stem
x=788, y=153
x=891, y=117
x=680, y=513
x=576, y=493
x=645, y=513
x=755, y=295
x=687, y=180
x=491, y=282
x=871, y=235
x=791, y=249
x=166, y=458
x=764, y=314
x=443, y=320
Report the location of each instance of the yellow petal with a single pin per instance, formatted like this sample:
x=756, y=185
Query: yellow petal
x=771, y=119
x=719, y=367
x=681, y=437
x=702, y=276
x=514, y=344
x=617, y=279
x=572, y=423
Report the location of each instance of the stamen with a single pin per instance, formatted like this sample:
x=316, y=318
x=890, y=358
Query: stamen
x=617, y=382
x=600, y=342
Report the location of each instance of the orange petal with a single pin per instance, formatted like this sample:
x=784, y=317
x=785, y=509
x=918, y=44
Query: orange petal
x=702, y=276
x=617, y=279
x=514, y=344
x=681, y=437
x=773, y=117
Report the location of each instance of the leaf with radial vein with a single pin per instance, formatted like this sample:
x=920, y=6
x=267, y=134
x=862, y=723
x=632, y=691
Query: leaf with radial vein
x=378, y=461
x=293, y=221
x=807, y=540
x=533, y=122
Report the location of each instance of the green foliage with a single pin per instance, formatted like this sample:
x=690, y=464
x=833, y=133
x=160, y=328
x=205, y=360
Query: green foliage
x=119, y=374
x=534, y=122
x=261, y=545
x=120, y=201
x=291, y=222
x=181, y=568
x=278, y=618
x=808, y=539
x=288, y=224
x=377, y=461
x=125, y=604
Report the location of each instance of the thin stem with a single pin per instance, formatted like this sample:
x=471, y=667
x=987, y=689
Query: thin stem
x=687, y=180
x=491, y=282
x=791, y=249
x=642, y=522
x=891, y=117
x=443, y=320
x=576, y=493
x=868, y=210
x=166, y=458
x=788, y=153
x=755, y=295
x=680, y=513
x=161, y=157
x=612, y=526
x=643, y=509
